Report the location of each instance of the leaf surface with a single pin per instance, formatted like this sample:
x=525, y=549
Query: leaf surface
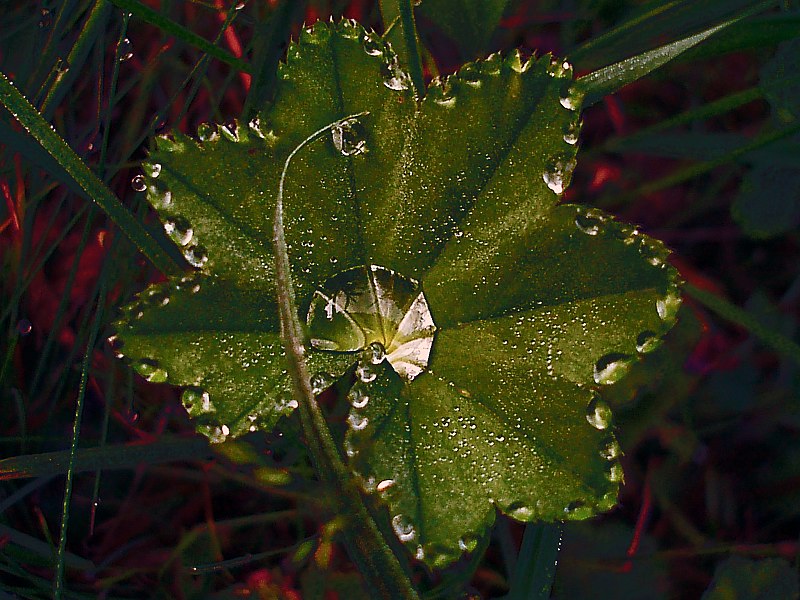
x=429, y=250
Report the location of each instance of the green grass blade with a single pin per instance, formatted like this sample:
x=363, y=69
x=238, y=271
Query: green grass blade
x=170, y=27
x=730, y=312
x=120, y=456
x=58, y=584
x=605, y=81
x=93, y=29
x=536, y=564
x=653, y=20
x=44, y=133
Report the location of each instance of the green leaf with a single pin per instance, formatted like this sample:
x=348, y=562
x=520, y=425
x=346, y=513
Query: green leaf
x=430, y=254
x=468, y=23
x=740, y=578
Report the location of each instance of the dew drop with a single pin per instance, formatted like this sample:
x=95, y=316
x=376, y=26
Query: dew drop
x=647, y=341
x=357, y=422
x=611, y=368
x=394, y=77
x=155, y=170
x=150, y=370
x=470, y=74
x=558, y=174
x=357, y=397
x=384, y=485
x=571, y=133
x=374, y=45
x=125, y=50
x=239, y=5
x=591, y=221
x=598, y=413
x=320, y=382
x=197, y=401
x=196, y=256
x=45, y=19
x=348, y=138
x=375, y=353
x=138, y=183
x=366, y=373
x=206, y=132
x=616, y=474
x=403, y=528
x=667, y=307
x=24, y=327
x=611, y=451
x=179, y=231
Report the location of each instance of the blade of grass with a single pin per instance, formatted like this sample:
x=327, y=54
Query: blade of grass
x=92, y=30
x=409, y=29
x=170, y=27
x=44, y=133
x=594, y=86
x=704, y=167
x=118, y=456
x=678, y=17
x=536, y=563
x=730, y=312
x=384, y=575
x=268, y=45
x=73, y=561
x=58, y=584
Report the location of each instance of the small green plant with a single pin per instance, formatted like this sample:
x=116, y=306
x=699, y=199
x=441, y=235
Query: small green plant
x=469, y=318
x=383, y=278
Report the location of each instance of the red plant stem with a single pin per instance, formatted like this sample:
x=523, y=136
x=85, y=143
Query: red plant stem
x=232, y=39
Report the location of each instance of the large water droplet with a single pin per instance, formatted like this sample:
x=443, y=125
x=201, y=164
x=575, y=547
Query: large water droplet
x=598, y=413
x=125, y=50
x=155, y=170
x=611, y=368
x=348, y=138
x=375, y=353
x=365, y=372
x=403, y=528
x=372, y=308
x=611, y=450
x=207, y=132
x=615, y=473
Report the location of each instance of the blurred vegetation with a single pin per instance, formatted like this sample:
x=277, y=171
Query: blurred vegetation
x=703, y=153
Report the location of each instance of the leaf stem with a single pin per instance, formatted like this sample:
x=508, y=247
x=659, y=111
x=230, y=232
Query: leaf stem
x=775, y=340
x=372, y=554
x=410, y=38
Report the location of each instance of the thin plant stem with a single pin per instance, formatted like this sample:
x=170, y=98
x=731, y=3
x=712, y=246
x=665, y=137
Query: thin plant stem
x=384, y=575
x=730, y=312
x=58, y=584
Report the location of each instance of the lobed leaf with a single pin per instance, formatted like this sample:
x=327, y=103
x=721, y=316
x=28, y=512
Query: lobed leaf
x=429, y=251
